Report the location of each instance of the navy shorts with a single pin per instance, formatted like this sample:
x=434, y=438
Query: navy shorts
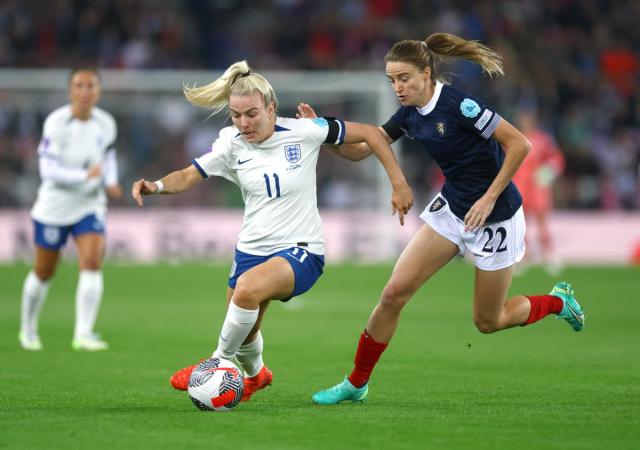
x=307, y=267
x=53, y=237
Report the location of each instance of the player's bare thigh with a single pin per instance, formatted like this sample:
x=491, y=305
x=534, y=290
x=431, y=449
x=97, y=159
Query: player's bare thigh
x=273, y=279
x=46, y=262
x=90, y=250
x=491, y=311
x=426, y=253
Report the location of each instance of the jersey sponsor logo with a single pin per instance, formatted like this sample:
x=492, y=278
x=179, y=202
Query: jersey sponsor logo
x=51, y=235
x=321, y=122
x=469, y=108
x=437, y=204
x=244, y=161
x=484, y=118
x=442, y=129
x=293, y=152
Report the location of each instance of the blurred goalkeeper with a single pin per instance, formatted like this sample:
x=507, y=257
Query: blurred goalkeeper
x=535, y=179
x=279, y=253
x=78, y=168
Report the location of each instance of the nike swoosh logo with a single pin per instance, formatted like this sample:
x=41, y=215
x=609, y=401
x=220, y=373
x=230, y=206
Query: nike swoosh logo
x=246, y=160
x=223, y=338
x=576, y=316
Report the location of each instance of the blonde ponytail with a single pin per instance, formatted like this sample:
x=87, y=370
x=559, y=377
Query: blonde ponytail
x=238, y=79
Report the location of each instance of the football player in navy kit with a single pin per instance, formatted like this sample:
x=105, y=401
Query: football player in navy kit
x=478, y=209
x=279, y=253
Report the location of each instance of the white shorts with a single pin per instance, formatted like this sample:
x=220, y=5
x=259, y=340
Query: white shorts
x=493, y=246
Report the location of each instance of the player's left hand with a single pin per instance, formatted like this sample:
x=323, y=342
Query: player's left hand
x=478, y=213
x=401, y=201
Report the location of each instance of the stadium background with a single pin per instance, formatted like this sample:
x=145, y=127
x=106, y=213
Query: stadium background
x=578, y=71
x=575, y=61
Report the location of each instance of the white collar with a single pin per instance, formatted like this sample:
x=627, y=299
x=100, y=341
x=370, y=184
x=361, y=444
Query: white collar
x=426, y=109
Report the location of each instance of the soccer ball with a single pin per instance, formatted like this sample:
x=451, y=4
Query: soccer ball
x=216, y=385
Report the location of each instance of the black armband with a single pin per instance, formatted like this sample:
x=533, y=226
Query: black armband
x=336, y=131
x=393, y=130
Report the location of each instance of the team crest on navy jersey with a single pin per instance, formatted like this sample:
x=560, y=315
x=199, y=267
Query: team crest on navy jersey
x=293, y=152
x=442, y=129
x=437, y=204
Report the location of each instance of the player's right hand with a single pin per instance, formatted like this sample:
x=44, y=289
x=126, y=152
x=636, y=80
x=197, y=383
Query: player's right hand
x=305, y=111
x=401, y=201
x=142, y=187
x=94, y=171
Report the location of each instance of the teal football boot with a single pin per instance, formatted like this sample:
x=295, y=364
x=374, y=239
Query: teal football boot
x=572, y=311
x=341, y=392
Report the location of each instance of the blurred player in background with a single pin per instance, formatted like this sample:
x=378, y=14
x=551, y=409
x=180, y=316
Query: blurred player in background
x=478, y=210
x=279, y=253
x=77, y=161
x=535, y=179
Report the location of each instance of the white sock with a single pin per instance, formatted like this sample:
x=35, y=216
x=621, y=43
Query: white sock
x=88, y=298
x=34, y=292
x=235, y=329
x=250, y=356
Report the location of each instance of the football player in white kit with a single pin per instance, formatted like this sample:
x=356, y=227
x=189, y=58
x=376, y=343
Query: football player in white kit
x=77, y=162
x=280, y=249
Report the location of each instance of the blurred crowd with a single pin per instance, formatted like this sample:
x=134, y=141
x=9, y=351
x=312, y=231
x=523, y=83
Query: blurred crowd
x=576, y=63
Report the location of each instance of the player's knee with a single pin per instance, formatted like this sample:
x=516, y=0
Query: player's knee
x=245, y=295
x=394, y=296
x=44, y=273
x=91, y=263
x=486, y=325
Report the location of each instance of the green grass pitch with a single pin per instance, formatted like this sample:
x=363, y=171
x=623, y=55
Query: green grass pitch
x=441, y=383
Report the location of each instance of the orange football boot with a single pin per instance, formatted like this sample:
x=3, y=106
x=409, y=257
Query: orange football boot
x=253, y=384
x=180, y=379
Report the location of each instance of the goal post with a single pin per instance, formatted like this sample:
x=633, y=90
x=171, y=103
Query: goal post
x=153, y=99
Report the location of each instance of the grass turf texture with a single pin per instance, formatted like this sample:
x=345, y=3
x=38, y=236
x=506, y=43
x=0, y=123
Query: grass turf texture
x=440, y=384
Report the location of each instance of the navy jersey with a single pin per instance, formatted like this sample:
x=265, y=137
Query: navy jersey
x=456, y=130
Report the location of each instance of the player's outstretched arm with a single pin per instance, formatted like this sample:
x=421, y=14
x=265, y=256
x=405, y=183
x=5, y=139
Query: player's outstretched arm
x=352, y=152
x=175, y=182
x=402, y=197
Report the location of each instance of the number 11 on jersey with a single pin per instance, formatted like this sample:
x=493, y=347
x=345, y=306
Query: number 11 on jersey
x=267, y=181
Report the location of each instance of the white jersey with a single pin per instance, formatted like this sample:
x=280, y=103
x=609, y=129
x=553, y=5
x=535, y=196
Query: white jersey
x=277, y=178
x=70, y=146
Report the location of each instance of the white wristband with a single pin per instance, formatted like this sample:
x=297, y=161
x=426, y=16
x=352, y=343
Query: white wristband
x=160, y=185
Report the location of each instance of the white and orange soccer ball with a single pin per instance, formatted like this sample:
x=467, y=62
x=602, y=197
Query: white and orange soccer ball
x=216, y=385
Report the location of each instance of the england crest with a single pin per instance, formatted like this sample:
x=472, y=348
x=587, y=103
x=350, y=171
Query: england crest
x=293, y=152
x=51, y=235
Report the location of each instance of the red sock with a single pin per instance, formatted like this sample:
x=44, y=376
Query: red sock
x=542, y=306
x=367, y=356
